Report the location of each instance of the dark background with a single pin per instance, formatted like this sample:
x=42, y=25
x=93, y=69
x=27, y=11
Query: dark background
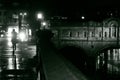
x=92, y=9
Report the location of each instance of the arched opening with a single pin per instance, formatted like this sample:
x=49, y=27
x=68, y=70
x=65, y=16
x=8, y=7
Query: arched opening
x=76, y=56
x=108, y=63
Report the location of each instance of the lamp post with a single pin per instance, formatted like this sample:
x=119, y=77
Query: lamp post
x=40, y=17
x=23, y=14
x=82, y=17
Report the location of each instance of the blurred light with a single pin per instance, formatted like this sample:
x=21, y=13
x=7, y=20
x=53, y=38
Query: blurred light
x=23, y=13
x=44, y=23
x=10, y=44
x=20, y=13
x=2, y=35
x=40, y=16
x=22, y=36
x=15, y=16
x=9, y=32
x=10, y=29
x=83, y=17
x=111, y=14
x=10, y=63
x=9, y=39
x=30, y=32
x=17, y=62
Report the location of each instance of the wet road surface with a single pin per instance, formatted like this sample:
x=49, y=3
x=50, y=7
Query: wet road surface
x=16, y=66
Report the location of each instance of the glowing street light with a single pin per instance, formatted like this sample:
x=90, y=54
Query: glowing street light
x=82, y=17
x=39, y=16
x=41, y=19
x=23, y=14
x=44, y=23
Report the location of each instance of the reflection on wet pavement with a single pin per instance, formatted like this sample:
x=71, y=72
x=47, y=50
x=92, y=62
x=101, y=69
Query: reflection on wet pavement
x=11, y=62
x=17, y=66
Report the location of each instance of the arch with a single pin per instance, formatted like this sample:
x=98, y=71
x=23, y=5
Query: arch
x=111, y=22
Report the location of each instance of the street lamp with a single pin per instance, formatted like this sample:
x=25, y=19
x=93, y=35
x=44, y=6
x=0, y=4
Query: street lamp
x=21, y=19
x=40, y=16
x=44, y=23
x=83, y=17
x=41, y=19
x=23, y=14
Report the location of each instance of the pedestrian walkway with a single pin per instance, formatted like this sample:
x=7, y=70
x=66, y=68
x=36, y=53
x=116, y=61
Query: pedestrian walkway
x=56, y=67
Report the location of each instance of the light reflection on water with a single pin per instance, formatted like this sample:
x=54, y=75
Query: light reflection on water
x=109, y=59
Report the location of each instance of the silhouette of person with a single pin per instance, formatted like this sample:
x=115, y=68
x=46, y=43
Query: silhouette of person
x=14, y=38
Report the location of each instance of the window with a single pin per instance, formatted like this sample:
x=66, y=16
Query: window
x=100, y=34
x=70, y=34
x=105, y=34
x=114, y=34
x=78, y=34
x=109, y=32
x=85, y=34
x=93, y=35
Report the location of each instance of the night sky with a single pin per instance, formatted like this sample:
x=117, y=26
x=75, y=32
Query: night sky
x=70, y=8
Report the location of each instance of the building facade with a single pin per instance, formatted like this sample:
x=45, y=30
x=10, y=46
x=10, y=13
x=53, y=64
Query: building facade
x=14, y=19
x=97, y=40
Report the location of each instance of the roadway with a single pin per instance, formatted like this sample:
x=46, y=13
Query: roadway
x=23, y=56
x=54, y=65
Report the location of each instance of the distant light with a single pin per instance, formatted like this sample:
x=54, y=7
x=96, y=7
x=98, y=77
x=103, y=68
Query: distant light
x=24, y=13
x=10, y=44
x=20, y=13
x=22, y=36
x=39, y=15
x=2, y=35
x=30, y=32
x=83, y=17
x=9, y=32
x=15, y=16
x=44, y=23
x=111, y=14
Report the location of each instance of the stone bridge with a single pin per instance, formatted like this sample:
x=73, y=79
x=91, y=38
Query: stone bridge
x=90, y=39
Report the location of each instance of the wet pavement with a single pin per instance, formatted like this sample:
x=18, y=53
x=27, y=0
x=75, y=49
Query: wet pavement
x=20, y=65
x=16, y=66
